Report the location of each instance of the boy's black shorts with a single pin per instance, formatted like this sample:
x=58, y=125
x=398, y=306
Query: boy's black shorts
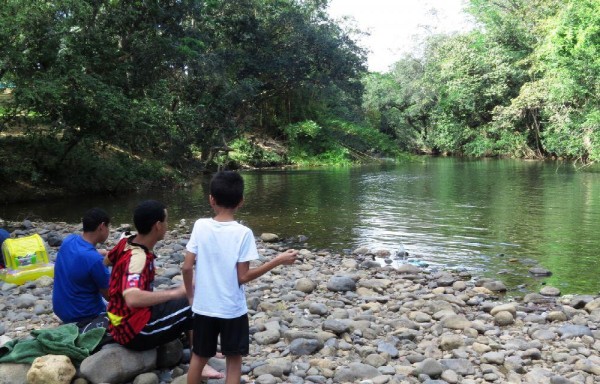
x=234, y=334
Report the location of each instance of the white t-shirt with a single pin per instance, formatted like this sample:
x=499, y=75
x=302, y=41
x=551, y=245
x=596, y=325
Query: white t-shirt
x=218, y=247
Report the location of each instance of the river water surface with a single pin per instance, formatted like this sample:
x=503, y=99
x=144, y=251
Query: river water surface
x=495, y=218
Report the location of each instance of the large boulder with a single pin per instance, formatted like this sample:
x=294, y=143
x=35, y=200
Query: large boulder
x=116, y=364
x=169, y=355
x=13, y=373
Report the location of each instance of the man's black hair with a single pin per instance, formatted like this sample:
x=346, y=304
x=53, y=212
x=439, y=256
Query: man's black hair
x=146, y=214
x=93, y=218
x=227, y=188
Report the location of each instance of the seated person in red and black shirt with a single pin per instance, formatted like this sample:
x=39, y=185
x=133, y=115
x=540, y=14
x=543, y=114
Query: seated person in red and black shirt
x=141, y=318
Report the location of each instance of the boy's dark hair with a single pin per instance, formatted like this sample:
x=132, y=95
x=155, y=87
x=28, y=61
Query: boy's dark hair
x=93, y=218
x=227, y=188
x=146, y=214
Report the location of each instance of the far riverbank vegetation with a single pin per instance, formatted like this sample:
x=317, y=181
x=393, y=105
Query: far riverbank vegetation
x=109, y=95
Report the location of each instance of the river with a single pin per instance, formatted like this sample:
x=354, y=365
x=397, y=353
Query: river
x=494, y=218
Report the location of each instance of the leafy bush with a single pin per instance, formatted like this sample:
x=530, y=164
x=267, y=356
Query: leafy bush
x=336, y=142
x=39, y=162
x=248, y=153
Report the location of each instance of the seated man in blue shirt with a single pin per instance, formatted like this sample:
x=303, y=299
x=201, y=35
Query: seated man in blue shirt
x=3, y=236
x=80, y=275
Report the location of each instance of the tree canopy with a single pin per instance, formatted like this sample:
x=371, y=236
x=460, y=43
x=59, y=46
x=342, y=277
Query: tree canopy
x=524, y=83
x=173, y=78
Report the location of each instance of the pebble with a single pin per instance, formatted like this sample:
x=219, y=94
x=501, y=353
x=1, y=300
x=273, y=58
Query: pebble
x=340, y=317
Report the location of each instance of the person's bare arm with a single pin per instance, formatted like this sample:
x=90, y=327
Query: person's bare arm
x=187, y=270
x=246, y=274
x=106, y=261
x=138, y=298
x=104, y=254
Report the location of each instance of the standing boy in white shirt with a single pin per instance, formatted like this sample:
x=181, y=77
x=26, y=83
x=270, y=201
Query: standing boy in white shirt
x=221, y=249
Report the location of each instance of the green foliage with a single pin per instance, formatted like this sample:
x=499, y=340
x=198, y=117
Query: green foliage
x=525, y=85
x=398, y=104
x=471, y=77
x=281, y=63
x=569, y=59
x=551, y=110
x=88, y=168
x=248, y=152
x=337, y=142
x=515, y=25
x=302, y=131
x=516, y=127
x=192, y=84
x=336, y=156
x=363, y=138
x=159, y=79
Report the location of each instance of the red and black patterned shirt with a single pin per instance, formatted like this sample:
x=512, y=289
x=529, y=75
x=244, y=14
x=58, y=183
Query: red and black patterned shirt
x=133, y=268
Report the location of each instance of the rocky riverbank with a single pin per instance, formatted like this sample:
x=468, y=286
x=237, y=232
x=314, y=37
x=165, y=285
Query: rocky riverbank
x=333, y=318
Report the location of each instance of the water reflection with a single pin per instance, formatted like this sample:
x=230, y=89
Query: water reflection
x=494, y=217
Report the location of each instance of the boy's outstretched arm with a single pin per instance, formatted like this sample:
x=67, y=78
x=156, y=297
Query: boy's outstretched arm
x=139, y=298
x=246, y=274
x=187, y=270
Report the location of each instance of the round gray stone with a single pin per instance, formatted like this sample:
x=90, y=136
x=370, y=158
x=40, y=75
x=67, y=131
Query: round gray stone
x=430, y=367
x=504, y=318
x=305, y=285
x=550, y=291
x=304, y=347
x=341, y=284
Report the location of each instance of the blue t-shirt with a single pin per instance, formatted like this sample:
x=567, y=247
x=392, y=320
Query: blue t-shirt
x=3, y=236
x=79, y=274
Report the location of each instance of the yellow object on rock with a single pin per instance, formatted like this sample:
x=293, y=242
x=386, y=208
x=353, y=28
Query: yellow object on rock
x=26, y=259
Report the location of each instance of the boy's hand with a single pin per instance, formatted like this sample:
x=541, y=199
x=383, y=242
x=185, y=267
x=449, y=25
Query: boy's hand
x=288, y=257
